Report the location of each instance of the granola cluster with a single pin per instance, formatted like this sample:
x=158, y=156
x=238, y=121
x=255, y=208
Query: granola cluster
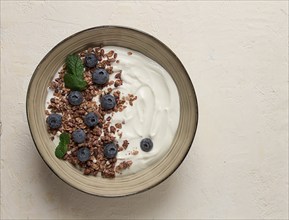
x=72, y=116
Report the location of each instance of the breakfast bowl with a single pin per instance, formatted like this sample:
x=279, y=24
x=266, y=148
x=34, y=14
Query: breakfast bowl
x=142, y=43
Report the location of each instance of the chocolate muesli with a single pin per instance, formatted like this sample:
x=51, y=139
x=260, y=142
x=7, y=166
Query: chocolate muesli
x=111, y=111
x=73, y=115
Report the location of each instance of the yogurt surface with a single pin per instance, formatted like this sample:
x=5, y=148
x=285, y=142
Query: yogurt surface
x=155, y=113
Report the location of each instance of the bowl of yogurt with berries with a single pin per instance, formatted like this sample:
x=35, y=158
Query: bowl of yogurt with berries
x=112, y=111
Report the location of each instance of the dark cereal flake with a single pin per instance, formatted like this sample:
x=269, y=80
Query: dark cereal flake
x=118, y=125
x=134, y=152
x=117, y=83
x=118, y=75
x=125, y=144
x=116, y=94
x=112, y=129
x=123, y=165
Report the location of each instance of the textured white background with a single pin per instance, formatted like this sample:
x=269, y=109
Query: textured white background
x=237, y=56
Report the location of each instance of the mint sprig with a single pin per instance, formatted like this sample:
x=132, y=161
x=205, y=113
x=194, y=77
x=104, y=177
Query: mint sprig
x=61, y=149
x=73, y=78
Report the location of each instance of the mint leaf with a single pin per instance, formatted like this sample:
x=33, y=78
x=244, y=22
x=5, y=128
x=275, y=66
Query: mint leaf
x=59, y=153
x=73, y=78
x=74, y=65
x=75, y=83
x=61, y=149
x=64, y=138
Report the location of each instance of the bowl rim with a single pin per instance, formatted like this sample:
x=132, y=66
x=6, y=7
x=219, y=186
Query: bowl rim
x=163, y=45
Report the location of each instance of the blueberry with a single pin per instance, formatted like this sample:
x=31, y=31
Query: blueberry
x=91, y=119
x=146, y=144
x=83, y=154
x=54, y=121
x=75, y=98
x=100, y=76
x=90, y=60
x=78, y=136
x=110, y=150
x=107, y=102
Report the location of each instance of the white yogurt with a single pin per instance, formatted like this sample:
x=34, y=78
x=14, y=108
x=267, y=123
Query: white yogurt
x=155, y=113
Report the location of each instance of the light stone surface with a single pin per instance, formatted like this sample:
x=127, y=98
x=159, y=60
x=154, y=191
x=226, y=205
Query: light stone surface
x=237, y=56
